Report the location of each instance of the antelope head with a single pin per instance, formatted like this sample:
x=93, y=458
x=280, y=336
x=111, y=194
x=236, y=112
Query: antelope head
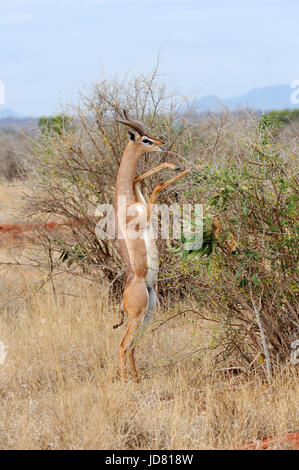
x=141, y=138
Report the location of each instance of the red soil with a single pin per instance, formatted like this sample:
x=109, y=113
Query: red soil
x=292, y=439
x=24, y=233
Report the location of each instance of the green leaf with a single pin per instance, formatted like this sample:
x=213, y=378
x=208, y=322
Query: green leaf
x=255, y=280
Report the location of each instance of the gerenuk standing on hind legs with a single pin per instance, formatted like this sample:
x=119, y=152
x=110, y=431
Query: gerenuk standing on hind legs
x=137, y=248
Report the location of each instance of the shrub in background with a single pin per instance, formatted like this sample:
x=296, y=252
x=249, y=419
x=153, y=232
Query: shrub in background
x=254, y=293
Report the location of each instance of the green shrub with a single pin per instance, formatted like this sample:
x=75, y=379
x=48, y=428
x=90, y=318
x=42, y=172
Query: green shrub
x=55, y=124
x=279, y=117
x=256, y=197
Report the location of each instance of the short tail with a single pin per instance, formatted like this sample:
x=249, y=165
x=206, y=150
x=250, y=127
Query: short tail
x=121, y=318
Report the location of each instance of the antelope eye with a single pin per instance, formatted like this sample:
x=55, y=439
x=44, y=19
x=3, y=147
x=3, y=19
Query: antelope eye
x=146, y=141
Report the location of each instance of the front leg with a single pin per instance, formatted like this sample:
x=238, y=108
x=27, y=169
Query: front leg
x=160, y=187
x=138, y=195
x=155, y=170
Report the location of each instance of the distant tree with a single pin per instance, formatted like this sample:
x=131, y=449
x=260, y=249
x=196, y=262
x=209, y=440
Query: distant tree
x=55, y=124
x=284, y=116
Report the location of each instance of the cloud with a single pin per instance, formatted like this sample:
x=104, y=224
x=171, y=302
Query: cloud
x=16, y=18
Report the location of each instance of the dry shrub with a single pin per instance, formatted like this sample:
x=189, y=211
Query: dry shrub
x=15, y=152
x=11, y=147
x=78, y=164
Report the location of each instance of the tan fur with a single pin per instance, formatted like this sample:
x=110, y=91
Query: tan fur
x=135, y=252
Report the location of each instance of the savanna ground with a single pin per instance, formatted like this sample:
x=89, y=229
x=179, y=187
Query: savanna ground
x=60, y=386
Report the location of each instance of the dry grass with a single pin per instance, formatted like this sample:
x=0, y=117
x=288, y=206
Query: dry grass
x=60, y=388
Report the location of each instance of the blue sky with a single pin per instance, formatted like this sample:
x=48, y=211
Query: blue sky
x=50, y=49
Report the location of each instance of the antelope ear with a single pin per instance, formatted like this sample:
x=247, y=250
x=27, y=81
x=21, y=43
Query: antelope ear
x=132, y=136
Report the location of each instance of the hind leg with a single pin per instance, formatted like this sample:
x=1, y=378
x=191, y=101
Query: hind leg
x=135, y=304
x=133, y=365
x=125, y=344
x=151, y=307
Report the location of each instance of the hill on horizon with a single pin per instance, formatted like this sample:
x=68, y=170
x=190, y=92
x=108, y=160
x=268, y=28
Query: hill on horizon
x=268, y=98
x=8, y=113
x=276, y=97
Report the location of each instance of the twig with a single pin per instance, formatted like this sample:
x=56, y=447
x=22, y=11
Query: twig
x=257, y=311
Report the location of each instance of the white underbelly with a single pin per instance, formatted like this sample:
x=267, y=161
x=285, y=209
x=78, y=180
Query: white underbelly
x=152, y=257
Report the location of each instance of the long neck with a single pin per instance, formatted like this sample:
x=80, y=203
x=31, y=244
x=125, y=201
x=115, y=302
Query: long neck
x=127, y=173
